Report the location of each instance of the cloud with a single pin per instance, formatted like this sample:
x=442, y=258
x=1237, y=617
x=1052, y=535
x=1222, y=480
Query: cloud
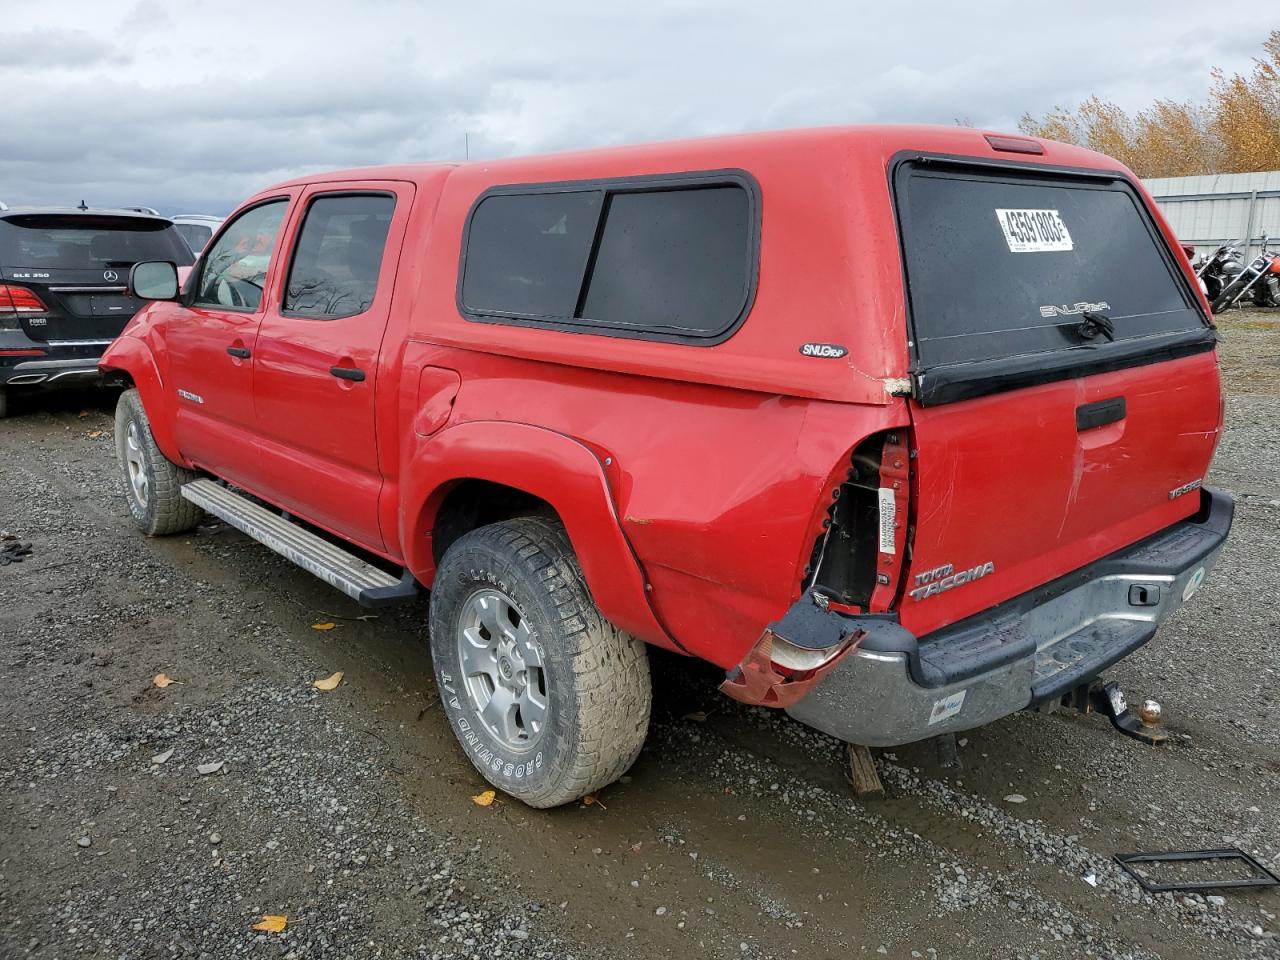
x=55, y=50
x=191, y=107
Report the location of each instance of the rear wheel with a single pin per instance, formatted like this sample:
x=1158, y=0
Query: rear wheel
x=548, y=699
x=152, y=484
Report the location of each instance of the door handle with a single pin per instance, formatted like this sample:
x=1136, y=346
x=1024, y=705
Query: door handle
x=241, y=352
x=347, y=373
x=1090, y=415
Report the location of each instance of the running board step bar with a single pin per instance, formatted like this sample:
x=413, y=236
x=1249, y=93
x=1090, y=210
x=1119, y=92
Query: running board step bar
x=359, y=580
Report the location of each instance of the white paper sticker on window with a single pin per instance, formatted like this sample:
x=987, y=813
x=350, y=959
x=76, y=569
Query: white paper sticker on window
x=1034, y=231
x=888, y=517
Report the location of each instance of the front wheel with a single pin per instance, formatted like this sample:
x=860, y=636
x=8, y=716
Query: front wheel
x=549, y=700
x=152, y=484
x=1224, y=299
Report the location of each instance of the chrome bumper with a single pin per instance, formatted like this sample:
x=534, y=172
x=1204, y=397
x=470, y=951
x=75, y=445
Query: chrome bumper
x=32, y=372
x=1029, y=650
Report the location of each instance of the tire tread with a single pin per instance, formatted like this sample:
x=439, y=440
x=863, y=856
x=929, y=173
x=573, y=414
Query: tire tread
x=170, y=512
x=611, y=668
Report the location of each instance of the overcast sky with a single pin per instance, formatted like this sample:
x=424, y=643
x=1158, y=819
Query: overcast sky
x=190, y=106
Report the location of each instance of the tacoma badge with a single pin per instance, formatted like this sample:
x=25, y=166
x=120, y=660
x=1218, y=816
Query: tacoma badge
x=946, y=577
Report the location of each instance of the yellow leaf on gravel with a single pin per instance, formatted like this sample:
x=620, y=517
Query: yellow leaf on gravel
x=323, y=626
x=485, y=799
x=94, y=434
x=162, y=680
x=329, y=683
x=270, y=924
x=594, y=798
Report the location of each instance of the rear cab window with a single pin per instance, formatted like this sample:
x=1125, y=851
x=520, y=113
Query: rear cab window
x=1012, y=276
x=669, y=258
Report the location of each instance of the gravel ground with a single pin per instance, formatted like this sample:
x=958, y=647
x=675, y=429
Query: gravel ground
x=349, y=812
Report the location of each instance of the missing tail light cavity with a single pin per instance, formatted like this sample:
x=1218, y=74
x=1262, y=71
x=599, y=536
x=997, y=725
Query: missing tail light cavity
x=843, y=565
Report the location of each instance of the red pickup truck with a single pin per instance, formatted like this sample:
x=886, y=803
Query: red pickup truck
x=902, y=427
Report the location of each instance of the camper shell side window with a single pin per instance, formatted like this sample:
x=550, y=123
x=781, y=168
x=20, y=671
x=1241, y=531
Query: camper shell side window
x=670, y=258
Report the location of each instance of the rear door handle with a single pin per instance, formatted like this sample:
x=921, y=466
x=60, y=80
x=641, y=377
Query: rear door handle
x=347, y=373
x=241, y=352
x=1090, y=415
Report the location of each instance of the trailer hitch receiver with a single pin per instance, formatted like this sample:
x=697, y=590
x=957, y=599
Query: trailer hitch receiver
x=1109, y=699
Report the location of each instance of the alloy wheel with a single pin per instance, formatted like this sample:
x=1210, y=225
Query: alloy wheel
x=502, y=669
x=135, y=465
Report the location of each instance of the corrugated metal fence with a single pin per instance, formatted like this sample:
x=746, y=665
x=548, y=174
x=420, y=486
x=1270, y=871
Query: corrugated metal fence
x=1216, y=208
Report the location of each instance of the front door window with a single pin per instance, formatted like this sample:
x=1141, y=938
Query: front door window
x=234, y=271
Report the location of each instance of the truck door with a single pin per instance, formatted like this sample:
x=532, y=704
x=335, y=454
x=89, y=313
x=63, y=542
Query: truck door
x=315, y=367
x=210, y=338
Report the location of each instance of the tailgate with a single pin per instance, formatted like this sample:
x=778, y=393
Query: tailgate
x=83, y=304
x=1066, y=396
x=78, y=265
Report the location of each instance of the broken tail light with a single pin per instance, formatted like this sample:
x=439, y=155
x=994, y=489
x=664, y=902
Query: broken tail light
x=856, y=567
x=858, y=559
x=792, y=655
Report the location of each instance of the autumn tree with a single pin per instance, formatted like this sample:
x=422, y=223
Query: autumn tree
x=1236, y=131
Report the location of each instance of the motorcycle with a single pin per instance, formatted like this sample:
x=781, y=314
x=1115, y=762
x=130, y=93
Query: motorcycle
x=1260, y=281
x=1218, y=270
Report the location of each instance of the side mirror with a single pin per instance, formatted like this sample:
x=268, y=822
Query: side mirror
x=154, y=280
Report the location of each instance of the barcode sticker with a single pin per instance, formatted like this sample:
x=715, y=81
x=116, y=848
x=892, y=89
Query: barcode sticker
x=888, y=520
x=1034, y=231
x=947, y=707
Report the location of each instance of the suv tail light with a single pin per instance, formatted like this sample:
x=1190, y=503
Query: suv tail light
x=19, y=300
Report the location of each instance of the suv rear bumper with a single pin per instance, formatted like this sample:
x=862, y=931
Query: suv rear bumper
x=895, y=688
x=61, y=363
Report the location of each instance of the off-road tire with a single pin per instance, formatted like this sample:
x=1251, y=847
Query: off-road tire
x=597, y=677
x=164, y=510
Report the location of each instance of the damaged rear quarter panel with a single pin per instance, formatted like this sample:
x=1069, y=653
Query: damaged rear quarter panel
x=720, y=492
x=729, y=538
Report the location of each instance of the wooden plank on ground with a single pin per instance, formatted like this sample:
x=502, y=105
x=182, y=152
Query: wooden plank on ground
x=863, y=774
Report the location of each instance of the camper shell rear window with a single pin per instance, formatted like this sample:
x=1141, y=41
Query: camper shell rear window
x=669, y=258
x=1004, y=268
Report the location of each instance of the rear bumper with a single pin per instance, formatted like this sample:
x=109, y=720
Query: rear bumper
x=61, y=363
x=895, y=688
